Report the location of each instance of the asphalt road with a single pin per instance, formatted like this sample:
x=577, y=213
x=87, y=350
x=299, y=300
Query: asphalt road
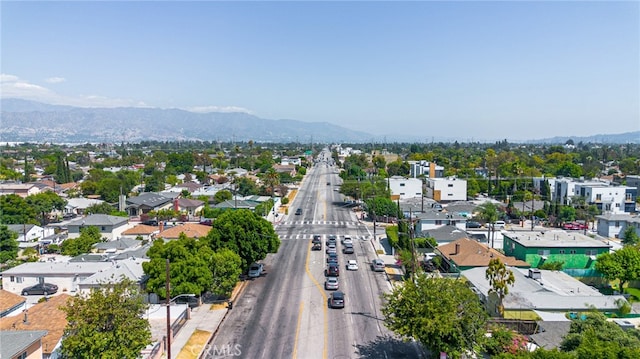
x=284, y=313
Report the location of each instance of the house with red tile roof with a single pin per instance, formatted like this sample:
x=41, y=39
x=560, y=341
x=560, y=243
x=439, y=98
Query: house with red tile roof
x=191, y=230
x=467, y=253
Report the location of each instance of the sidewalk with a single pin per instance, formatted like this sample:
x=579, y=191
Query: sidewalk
x=193, y=338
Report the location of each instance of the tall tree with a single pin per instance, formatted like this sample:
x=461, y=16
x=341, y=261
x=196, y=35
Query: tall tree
x=245, y=233
x=107, y=323
x=226, y=267
x=630, y=237
x=489, y=214
x=500, y=278
x=442, y=314
x=45, y=202
x=83, y=243
x=8, y=244
x=622, y=265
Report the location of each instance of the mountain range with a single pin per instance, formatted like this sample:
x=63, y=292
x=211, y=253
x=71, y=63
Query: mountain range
x=31, y=121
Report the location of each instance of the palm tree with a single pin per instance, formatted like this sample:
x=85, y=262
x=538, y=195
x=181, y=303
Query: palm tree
x=489, y=213
x=271, y=179
x=500, y=278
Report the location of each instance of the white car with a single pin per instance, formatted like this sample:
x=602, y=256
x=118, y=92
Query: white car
x=352, y=264
x=255, y=270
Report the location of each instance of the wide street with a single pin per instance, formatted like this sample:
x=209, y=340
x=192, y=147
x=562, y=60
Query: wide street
x=284, y=313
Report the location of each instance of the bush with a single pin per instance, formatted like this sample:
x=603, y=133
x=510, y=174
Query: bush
x=285, y=200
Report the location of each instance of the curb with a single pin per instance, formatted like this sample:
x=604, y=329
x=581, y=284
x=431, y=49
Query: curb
x=234, y=295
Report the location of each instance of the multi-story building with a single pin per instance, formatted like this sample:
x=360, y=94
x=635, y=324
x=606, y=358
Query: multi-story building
x=608, y=199
x=446, y=189
x=425, y=169
x=404, y=188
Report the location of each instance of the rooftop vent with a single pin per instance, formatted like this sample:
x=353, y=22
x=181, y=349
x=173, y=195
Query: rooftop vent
x=535, y=273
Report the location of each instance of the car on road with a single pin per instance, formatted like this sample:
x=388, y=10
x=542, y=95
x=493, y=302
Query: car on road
x=328, y=183
x=473, y=224
x=332, y=270
x=347, y=240
x=255, y=270
x=331, y=248
x=40, y=288
x=377, y=265
x=332, y=258
x=347, y=249
x=352, y=264
x=331, y=240
x=331, y=283
x=316, y=243
x=336, y=300
x=499, y=224
x=298, y=211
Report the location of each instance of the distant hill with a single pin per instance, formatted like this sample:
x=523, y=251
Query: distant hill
x=620, y=138
x=30, y=121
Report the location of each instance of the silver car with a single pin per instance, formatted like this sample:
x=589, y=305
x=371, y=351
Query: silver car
x=377, y=265
x=331, y=283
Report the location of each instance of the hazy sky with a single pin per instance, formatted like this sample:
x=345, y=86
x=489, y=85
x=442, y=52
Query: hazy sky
x=475, y=70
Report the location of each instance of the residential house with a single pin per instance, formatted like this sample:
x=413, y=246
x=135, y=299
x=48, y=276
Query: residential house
x=237, y=204
x=120, y=244
x=110, y=227
x=288, y=169
x=78, y=206
x=443, y=234
x=563, y=189
x=147, y=202
x=446, y=189
x=537, y=292
x=434, y=219
x=130, y=268
x=66, y=275
x=403, y=188
x=613, y=225
x=189, y=207
x=465, y=253
x=21, y=344
x=45, y=316
x=236, y=172
x=425, y=169
x=21, y=189
x=291, y=161
x=575, y=250
x=145, y=232
x=11, y=303
x=29, y=233
x=189, y=186
x=191, y=230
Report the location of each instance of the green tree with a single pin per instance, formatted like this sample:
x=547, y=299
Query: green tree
x=221, y=196
x=189, y=266
x=622, y=265
x=226, y=267
x=109, y=322
x=100, y=208
x=630, y=237
x=593, y=336
x=45, y=202
x=15, y=210
x=500, y=278
x=8, y=244
x=83, y=243
x=442, y=314
x=567, y=214
x=245, y=233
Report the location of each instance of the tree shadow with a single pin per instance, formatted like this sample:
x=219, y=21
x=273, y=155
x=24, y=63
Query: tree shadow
x=389, y=347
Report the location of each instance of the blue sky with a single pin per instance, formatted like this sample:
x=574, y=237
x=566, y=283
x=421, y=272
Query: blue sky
x=472, y=70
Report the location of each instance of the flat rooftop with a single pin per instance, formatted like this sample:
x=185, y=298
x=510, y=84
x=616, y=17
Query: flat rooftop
x=553, y=238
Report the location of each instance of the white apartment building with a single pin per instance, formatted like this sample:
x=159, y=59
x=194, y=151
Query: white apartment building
x=404, y=188
x=425, y=169
x=608, y=199
x=447, y=189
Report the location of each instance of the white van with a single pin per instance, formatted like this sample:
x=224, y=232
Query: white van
x=499, y=224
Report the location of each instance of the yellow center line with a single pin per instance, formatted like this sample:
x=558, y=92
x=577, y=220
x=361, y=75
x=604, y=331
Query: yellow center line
x=324, y=300
x=295, y=344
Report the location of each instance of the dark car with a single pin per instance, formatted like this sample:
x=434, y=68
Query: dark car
x=41, y=288
x=298, y=211
x=473, y=224
x=336, y=300
x=332, y=270
x=332, y=258
x=331, y=240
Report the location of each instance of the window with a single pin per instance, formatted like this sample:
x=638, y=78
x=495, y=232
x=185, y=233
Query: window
x=591, y=252
x=438, y=222
x=628, y=197
x=12, y=279
x=402, y=193
x=450, y=185
x=449, y=194
x=543, y=252
x=19, y=279
x=617, y=224
x=561, y=251
x=401, y=184
x=22, y=356
x=599, y=197
x=103, y=228
x=573, y=251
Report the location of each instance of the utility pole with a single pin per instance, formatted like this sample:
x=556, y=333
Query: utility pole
x=168, y=295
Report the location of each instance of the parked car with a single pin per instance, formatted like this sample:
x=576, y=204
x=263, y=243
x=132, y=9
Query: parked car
x=499, y=224
x=336, y=300
x=41, y=289
x=473, y=224
x=352, y=264
x=377, y=265
x=331, y=283
x=255, y=270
